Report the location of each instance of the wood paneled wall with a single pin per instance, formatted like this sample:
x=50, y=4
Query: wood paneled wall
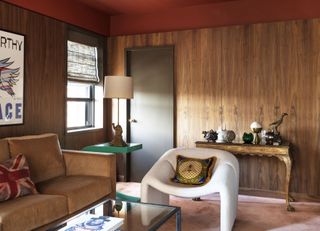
x=232, y=76
x=45, y=77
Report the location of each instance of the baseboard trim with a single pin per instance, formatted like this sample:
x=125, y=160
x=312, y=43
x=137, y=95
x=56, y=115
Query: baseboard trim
x=305, y=197
x=120, y=178
x=299, y=197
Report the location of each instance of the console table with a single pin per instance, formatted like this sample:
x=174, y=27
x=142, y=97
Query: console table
x=107, y=148
x=282, y=152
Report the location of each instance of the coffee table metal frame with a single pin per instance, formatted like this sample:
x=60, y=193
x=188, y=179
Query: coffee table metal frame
x=60, y=223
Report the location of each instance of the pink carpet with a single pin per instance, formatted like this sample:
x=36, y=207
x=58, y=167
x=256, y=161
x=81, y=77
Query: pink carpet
x=254, y=213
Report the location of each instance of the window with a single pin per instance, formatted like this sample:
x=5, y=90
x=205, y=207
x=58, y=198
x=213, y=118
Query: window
x=80, y=105
x=84, y=90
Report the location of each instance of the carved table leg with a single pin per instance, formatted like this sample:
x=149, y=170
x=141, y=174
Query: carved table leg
x=289, y=198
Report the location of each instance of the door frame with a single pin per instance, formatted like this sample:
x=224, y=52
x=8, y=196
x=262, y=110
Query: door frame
x=127, y=73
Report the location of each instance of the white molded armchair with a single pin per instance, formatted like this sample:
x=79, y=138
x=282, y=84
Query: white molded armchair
x=156, y=186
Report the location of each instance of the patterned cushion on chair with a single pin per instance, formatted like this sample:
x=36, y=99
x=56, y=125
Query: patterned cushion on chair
x=193, y=171
x=15, y=178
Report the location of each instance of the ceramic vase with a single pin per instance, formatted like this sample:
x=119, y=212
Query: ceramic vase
x=247, y=138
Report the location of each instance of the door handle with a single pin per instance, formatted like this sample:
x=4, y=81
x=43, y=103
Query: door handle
x=133, y=121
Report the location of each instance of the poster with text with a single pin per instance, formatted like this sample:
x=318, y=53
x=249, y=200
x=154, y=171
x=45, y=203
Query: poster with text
x=11, y=78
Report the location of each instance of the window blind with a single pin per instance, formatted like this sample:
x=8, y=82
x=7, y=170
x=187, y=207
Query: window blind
x=82, y=62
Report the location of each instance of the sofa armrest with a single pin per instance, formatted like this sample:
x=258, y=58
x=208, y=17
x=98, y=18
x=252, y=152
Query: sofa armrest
x=91, y=164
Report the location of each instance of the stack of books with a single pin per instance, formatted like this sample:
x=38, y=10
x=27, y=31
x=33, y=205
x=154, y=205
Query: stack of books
x=94, y=222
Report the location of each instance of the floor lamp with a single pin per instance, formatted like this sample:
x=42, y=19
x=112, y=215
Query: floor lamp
x=118, y=87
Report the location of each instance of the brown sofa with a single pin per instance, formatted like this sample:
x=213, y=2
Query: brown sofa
x=67, y=181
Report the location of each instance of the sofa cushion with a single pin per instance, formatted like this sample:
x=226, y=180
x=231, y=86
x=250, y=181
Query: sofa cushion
x=15, y=178
x=81, y=191
x=43, y=154
x=4, y=150
x=32, y=211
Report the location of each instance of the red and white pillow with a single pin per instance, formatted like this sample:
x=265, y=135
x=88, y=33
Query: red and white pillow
x=15, y=178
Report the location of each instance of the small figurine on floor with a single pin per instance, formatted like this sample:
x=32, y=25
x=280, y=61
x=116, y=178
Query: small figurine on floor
x=117, y=139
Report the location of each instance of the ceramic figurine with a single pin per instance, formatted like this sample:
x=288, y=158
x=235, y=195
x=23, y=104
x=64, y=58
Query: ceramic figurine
x=210, y=135
x=277, y=140
x=225, y=136
x=256, y=128
x=117, y=140
x=269, y=136
x=221, y=136
x=274, y=126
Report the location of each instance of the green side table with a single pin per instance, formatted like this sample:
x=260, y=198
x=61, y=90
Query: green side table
x=123, y=153
x=106, y=147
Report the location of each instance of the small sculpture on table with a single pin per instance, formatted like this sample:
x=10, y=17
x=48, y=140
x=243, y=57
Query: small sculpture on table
x=256, y=128
x=247, y=138
x=274, y=127
x=210, y=135
x=117, y=140
x=225, y=136
x=230, y=136
x=118, y=206
x=269, y=137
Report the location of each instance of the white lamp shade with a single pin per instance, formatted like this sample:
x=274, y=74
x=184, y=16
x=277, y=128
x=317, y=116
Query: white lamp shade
x=118, y=87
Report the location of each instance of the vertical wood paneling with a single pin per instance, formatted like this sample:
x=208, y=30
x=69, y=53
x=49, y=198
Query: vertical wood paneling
x=232, y=76
x=44, y=77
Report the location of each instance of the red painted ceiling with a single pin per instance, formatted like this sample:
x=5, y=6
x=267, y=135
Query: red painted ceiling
x=129, y=7
x=121, y=17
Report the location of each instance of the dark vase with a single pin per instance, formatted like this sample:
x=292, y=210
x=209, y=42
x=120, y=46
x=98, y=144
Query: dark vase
x=247, y=138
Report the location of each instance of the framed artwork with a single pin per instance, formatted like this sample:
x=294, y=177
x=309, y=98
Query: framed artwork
x=11, y=78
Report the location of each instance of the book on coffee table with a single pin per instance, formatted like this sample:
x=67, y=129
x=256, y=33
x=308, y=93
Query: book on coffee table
x=93, y=222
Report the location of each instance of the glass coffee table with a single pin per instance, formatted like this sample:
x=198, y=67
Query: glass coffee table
x=135, y=216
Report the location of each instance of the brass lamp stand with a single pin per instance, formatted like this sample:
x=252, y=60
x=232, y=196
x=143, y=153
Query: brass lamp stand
x=118, y=87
